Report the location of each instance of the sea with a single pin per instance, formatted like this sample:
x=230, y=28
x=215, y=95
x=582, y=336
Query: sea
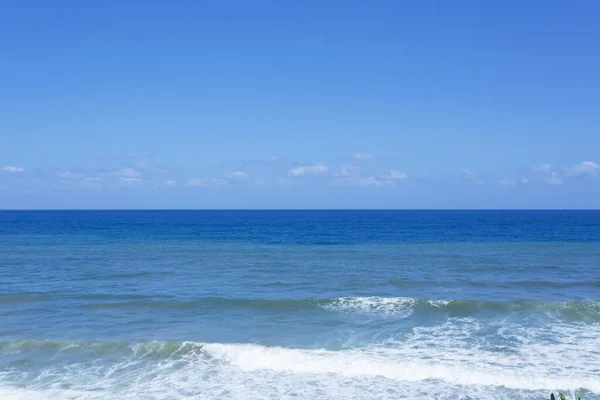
x=313, y=304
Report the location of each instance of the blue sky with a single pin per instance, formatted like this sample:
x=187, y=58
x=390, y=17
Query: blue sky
x=312, y=104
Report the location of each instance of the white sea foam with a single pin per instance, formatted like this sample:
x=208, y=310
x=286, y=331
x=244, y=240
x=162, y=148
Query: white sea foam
x=451, y=360
x=387, y=306
x=396, y=306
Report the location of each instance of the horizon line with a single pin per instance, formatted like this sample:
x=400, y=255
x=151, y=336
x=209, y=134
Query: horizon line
x=298, y=209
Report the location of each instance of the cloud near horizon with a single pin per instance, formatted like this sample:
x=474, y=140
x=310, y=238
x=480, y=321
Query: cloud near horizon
x=583, y=168
x=207, y=182
x=125, y=173
x=348, y=170
x=70, y=175
x=129, y=181
x=552, y=179
x=308, y=169
x=236, y=178
x=388, y=179
x=363, y=156
x=12, y=169
x=143, y=175
x=543, y=168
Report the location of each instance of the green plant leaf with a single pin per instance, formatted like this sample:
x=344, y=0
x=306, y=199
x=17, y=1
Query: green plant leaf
x=552, y=397
x=562, y=396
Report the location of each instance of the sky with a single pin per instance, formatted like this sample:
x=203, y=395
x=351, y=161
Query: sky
x=306, y=104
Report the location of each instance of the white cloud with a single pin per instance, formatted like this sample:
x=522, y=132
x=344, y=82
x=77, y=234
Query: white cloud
x=70, y=175
x=348, y=170
x=125, y=173
x=543, y=168
x=286, y=182
x=363, y=156
x=265, y=161
x=92, y=183
x=232, y=179
x=207, y=182
x=395, y=175
x=547, y=175
x=130, y=173
x=524, y=180
x=308, y=169
x=373, y=181
x=388, y=179
x=13, y=169
x=170, y=183
x=238, y=178
x=507, y=182
x=552, y=179
x=584, y=168
x=131, y=181
x=467, y=173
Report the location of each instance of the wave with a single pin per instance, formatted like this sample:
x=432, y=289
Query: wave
x=380, y=306
x=25, y=297
x=202, y=367
x=104, y=348
x=400, y=307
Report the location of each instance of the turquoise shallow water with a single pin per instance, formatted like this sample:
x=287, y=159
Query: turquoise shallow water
x=299, y=304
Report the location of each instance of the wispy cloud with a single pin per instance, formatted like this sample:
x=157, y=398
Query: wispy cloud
x=238, y=178
x=70, y=175
x=287, y=182
x=207, y=182
x=123, y=173
x=388, y=179
x=552, y=179
x=265, y=161
x=308, y=169
x=466, y=173
x=524, y=180
x=131, y=182
x=543, y=168
x=92, y=182
x=127, y=173
x=547, y=175
x=507, y=182
x=232, y=179
x=373, y=181
x=362, y=156
x=348, y=170
x=170, y=183
x=12, y=169
x=583, y=168
x=141, y=165
x=395, y=175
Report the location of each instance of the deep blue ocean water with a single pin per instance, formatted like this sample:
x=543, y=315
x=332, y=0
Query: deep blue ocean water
x=299, y=304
